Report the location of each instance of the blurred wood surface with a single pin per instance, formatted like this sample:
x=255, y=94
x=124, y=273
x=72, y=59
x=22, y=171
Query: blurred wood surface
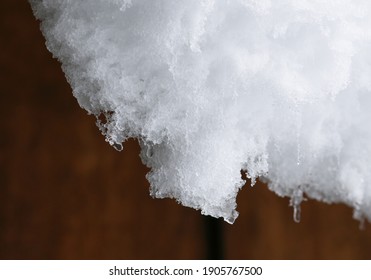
x=66, y=194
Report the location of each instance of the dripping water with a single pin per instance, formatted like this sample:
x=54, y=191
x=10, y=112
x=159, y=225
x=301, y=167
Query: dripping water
x=297, y=213
x=295, y=202
x=358, y=215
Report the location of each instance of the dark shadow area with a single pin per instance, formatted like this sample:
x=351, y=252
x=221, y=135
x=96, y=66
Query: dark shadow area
x=214, y=238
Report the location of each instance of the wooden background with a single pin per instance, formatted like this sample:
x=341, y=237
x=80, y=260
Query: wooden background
x=66, y=194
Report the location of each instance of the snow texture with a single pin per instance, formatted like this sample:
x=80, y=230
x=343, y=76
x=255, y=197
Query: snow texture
x=279, y=89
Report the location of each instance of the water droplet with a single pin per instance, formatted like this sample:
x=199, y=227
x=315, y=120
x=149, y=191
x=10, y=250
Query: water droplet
x=232, y=217
x=297, y=213
x=358, y=215
x=117, y=146
x=295, y=202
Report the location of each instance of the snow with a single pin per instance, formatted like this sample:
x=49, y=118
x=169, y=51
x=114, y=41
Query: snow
x=279, y=89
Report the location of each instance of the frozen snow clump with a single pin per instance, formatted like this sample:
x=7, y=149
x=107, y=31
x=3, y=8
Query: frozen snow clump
x=279, y=89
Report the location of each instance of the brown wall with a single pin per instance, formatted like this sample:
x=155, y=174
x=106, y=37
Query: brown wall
x=66, y=194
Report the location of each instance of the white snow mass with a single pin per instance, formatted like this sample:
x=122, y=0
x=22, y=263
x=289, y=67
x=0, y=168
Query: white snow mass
x=279, y=89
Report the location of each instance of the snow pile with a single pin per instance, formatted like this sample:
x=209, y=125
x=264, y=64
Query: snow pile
x=279, y=89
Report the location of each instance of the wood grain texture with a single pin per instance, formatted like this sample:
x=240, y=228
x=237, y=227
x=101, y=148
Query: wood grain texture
x=66, y=194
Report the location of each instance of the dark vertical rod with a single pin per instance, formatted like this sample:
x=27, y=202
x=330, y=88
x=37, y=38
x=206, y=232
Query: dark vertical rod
x=214, y=238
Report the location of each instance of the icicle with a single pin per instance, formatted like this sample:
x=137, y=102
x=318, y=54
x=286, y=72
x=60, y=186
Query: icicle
x=295, y=202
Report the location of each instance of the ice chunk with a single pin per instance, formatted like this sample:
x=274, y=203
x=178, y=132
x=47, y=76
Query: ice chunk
x=279, y=89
